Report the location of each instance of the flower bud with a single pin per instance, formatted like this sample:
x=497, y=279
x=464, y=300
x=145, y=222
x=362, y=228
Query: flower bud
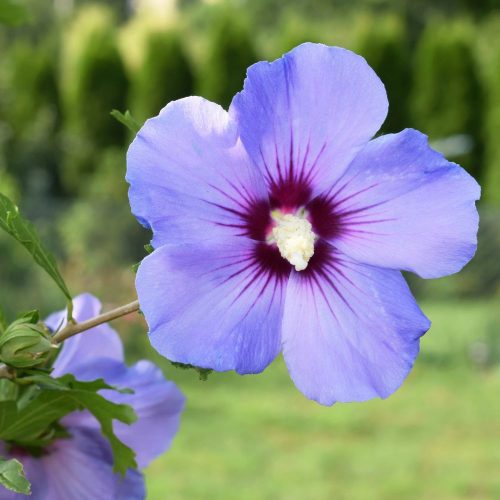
x=23, y=345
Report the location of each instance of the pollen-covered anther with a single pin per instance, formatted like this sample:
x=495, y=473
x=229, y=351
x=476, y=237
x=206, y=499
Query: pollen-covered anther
x=295, y=239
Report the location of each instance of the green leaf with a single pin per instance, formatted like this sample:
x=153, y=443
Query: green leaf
x=13, y=13
x=8, y=412
x=25, y=343
x=12, y=476
x=126, y=119
x=24, y=232
x=34, y=421
x=3, y=321
x=8, y=390
x=105, y=411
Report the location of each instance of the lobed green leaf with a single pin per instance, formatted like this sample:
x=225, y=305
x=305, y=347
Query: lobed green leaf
x=33, y=422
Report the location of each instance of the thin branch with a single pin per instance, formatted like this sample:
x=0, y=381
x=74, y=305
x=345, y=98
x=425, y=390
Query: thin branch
x=73, y=328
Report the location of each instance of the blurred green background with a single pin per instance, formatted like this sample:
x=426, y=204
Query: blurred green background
x=62, y=70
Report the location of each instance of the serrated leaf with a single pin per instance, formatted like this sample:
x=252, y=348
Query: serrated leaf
x=126, y=119
x=24, y=232
x=56, y=398
x=105, y=411
x=13, y=13
x=12, y=476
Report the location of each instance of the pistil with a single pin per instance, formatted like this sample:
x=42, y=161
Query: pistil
x=295, y=239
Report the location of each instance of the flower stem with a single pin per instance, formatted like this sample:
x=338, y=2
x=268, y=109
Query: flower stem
x=73, y=328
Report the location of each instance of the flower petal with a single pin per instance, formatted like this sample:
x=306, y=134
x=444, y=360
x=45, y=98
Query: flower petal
x=157, y=402
x=99, y=342
x=304, y=116
x=214, y=306
x=402, y=205
x=189, y=175
x=81, y=468
x=350, y=331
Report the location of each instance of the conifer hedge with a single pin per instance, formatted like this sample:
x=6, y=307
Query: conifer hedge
x=447, y=97
x=93, y=82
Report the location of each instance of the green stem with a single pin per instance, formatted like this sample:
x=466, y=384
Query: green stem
x=69, y=314
x=73, y=328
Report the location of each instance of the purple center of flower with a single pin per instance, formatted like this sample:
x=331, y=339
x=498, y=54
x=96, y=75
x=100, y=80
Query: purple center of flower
x=290, y=197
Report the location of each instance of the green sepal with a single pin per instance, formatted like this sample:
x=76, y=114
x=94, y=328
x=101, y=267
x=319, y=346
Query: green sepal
x=29, y=317
x=12, y=476
x=25, y=343
x=149, y=249
x=126, y=119
x=203, y=373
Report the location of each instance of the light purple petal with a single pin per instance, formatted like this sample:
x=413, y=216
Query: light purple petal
x=189, y=176
x=212, y=306
x=402, y=205
x=350, y=331
x=304, y=116
x=157, y=402
x=80, y=468
x=99, y=342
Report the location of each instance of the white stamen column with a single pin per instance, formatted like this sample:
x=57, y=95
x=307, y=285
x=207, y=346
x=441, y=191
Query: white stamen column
x=295, y=239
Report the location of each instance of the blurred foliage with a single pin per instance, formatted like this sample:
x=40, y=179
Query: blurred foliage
x=94, y=234
x=230, y=51
x=383, y=42
x=447, y=97
x=30, y=106
x=163, y=75
x=93, y=81
x=293, y=31
x=491, y=67
x=13, y=12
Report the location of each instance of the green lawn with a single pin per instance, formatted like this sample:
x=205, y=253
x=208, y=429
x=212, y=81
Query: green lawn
x=257, y=437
